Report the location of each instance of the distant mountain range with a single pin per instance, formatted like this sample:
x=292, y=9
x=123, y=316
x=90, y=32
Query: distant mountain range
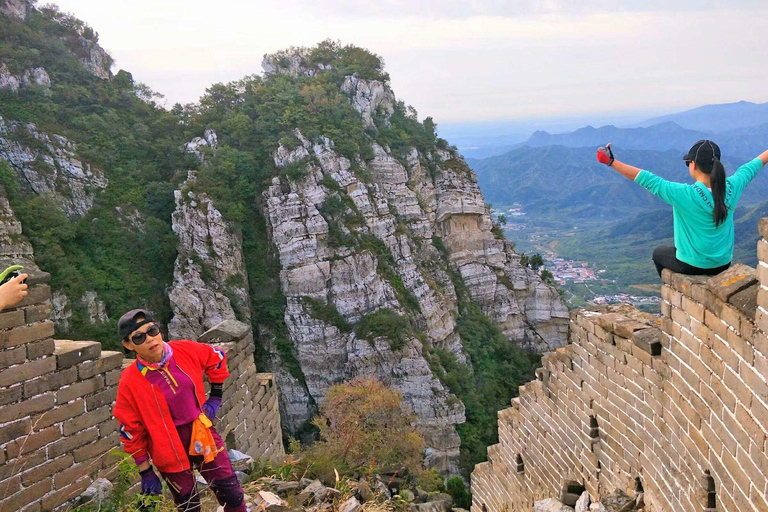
x=738, y=143
x=740, y=128
x=715, y=118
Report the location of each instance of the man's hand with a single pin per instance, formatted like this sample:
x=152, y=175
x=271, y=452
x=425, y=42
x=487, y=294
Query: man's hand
x=150, y=482
x=13, y=291
x=605, y=155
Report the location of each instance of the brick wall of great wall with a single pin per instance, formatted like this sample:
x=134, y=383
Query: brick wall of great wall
x=56, y=398
x=681, y=403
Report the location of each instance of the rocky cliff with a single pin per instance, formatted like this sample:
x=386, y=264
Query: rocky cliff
x=358, y=242
x=210, y=284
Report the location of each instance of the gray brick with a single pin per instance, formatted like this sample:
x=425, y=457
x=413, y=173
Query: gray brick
x=26, y=334
x=42, y=348
x=69, y=353
x=26, y=408
x=11, y=319
x=80, y=389
x=101, y=399
x=87, y=420
x=12, y=356
x=107, y=361
x=50, y=381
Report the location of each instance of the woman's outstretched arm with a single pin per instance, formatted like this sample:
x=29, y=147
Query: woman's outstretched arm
x=605, y=156
x=628, y=171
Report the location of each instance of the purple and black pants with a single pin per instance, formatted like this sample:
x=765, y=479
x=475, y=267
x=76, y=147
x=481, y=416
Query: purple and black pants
x=218, y=473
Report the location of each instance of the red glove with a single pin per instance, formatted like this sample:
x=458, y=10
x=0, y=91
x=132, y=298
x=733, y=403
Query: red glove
x=605, y=155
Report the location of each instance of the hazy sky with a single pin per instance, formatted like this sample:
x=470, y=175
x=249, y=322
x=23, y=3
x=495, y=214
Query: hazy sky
x=461, y=60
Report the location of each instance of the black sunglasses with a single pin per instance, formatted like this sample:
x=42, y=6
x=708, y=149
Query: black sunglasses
x=138, y=339
x=687, y=162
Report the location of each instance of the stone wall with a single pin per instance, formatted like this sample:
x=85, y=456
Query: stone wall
x=680, y=403
x=56, y=399
x=249, y=418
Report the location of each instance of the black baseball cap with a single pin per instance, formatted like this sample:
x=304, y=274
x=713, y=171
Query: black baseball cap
x=704, y=151
x=129, y=323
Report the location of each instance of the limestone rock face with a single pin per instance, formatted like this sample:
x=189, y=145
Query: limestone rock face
x=527, y=309
x=370, y=97
x=15, y=8
x=208, y=140
x=61, y=312
x=48, y=166
x=94, y=308
x=293, y=64
x=95, y=58
x=30, y=77
x=209, y=280
x=359, y=247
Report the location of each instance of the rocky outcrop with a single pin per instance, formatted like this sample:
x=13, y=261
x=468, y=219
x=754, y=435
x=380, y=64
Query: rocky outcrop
x=196, y=145
x=30, y=77
x=94, y=58
x=210, y=284
x=16, y=8
x=94, y=308
x=528, y=310
x=293, y=63
x=47, y=165
x=370, y=97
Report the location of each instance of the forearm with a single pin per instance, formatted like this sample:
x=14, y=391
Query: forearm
x=144, y=465
x=764, y=157
x=625, y=170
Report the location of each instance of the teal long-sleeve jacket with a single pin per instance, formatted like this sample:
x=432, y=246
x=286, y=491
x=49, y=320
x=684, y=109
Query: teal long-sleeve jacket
x=698, y=241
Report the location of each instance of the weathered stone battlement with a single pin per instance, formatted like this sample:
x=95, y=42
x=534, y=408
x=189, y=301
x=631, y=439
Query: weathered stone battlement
x=56, y=398
x=682, y=405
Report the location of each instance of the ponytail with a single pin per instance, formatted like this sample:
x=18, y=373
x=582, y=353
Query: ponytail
x=717, y=180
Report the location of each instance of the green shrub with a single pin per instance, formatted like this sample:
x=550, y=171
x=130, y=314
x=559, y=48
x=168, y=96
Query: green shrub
x=388, y=324
x=458, y=490
x=327, y=313
x=430, y=481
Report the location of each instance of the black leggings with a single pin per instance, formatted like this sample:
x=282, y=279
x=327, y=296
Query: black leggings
x=664, y=256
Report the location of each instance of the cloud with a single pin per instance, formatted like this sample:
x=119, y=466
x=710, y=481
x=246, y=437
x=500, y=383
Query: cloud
x=463, y=9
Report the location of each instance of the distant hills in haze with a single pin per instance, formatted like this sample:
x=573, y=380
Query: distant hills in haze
x=737, y=127
x=715, y=118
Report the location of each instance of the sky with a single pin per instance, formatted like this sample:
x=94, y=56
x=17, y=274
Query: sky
x=462, y=61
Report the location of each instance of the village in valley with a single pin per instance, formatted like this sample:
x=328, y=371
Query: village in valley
x=565, y=272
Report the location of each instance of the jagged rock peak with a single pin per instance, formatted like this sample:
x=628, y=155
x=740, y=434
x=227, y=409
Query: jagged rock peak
x=209, y=139
x=370, y=97
x=210, y=284
x=16, y=8
x=328, y=56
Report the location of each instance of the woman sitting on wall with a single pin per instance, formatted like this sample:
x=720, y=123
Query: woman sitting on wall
x=702, y=212
x=164, y=414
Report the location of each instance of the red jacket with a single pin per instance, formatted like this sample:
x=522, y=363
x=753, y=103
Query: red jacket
x=146, y=425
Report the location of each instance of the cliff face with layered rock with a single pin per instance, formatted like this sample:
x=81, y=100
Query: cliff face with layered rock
x=358, y=238
x=209, y=280
x=46, y=165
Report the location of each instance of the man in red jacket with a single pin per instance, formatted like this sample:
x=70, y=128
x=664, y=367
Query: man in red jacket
x=164, y=414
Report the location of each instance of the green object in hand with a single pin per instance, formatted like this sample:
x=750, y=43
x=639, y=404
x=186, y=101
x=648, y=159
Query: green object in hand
x=9, y=273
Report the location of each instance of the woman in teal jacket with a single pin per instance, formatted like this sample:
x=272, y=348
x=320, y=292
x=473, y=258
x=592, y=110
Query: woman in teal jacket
x=702, y=212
